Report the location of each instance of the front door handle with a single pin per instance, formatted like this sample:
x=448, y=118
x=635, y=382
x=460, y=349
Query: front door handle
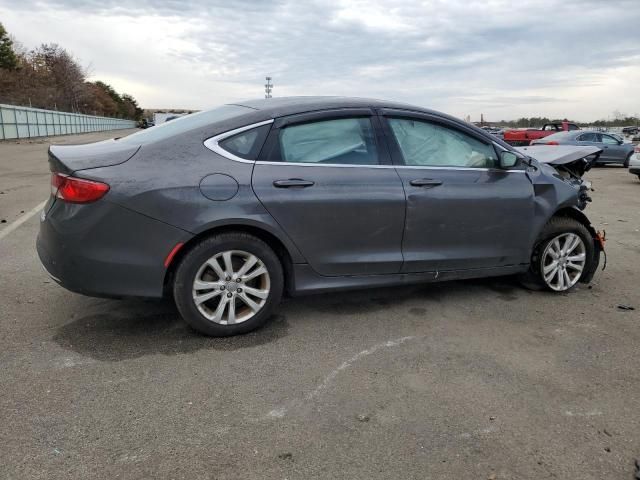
x=425, y=182
x=292, y=183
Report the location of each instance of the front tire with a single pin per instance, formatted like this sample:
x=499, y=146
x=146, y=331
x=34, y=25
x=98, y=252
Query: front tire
x=228, y=284
x=564, y=252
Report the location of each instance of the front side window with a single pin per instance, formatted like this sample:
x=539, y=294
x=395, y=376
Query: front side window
x=425, y=143
x=343, y=141
x=609, y=140
x=587, y=137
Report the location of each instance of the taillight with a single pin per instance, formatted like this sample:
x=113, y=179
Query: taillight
x=76, y=190
x=552, y=142
x=637, y=149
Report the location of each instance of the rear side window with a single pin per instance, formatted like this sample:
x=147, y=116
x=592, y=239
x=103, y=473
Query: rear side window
x=246, y=144
x=344, y=141
x=425, y=143
x=573, y=127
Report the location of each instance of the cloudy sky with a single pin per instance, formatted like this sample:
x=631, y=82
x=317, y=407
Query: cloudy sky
x=573, y=58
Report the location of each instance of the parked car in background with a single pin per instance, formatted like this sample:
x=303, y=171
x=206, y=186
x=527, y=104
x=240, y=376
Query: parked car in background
x=230, y=208
x=614, y=150
x=524, y=137
x=630, y=130
x=634, y=162
x=495, y=131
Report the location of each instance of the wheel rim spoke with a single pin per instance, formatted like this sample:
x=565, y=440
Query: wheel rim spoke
x=552, y=266
x=204, y=285
x=258, y=271
x=256, y=292
x=551, y=275
x=560, y=279
x=222, y=306
x=213, y=263
x=206, y=296
x=248, y=302
x=574, y=266
x=231, y=316
x=228, y=265
x=575, y=241
x=577, y=258
x=248, y=264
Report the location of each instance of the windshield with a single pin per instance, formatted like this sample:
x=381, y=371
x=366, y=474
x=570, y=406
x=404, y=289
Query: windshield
x=183, y=124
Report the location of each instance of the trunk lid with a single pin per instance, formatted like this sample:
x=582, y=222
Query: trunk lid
x=71, y=158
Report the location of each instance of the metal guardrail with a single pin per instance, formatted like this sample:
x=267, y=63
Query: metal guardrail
x=26, y=122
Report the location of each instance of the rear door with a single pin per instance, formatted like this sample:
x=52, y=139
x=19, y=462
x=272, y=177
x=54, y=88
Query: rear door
x=327, y=179
x=463, y=213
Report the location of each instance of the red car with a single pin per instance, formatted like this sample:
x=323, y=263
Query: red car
x=523, y=138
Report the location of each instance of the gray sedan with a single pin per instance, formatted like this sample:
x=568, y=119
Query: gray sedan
x=229, y=209
x=614, y=150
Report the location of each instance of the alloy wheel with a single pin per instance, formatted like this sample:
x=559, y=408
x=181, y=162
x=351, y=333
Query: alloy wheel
x=231, y=287
x=563, y=261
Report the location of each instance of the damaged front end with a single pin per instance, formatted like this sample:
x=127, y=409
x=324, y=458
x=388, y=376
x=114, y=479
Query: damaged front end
x=556, y=172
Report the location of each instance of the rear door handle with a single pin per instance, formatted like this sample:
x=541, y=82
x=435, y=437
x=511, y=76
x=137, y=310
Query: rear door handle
x=292, y=183
x=425, y=182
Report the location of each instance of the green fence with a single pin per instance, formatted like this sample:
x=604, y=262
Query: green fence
x=26, y=122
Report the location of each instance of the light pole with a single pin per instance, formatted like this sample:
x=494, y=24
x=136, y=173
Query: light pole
x=268, y=87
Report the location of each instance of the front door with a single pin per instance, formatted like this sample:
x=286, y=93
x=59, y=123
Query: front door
x=612, y=150
x=328, y=182
x=462, y=211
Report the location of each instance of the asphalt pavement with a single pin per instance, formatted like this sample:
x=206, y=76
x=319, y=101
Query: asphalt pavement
x=477, y=379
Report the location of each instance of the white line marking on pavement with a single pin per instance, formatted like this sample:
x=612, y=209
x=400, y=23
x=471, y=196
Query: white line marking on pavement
x=282, y=411
x=15, y=224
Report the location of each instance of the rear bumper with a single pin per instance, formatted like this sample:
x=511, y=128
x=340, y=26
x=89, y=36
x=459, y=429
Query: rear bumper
x=105, y=250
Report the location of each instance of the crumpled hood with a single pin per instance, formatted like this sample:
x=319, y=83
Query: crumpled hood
x=559, y=154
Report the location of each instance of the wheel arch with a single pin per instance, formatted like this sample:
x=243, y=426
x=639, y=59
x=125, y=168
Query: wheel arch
x=277, y=244
x=576, y=214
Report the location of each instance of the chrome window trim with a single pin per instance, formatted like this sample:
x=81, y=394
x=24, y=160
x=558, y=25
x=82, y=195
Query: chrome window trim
x=213, y=143
x=420, y=167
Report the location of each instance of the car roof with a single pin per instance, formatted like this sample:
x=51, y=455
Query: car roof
x=281, y=106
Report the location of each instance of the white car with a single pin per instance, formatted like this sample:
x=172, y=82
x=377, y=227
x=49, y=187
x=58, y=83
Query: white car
x=634, y=162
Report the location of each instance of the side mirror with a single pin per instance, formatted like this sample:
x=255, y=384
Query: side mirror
x=508, y=159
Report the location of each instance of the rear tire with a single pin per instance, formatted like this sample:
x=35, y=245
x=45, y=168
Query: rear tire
x=562, y=255
x=228, y=284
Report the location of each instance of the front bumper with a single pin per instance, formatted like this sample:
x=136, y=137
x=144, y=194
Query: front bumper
x=105, y=250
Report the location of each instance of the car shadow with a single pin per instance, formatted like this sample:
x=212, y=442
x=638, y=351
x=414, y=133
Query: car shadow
x=133, y=328
x=126, y=329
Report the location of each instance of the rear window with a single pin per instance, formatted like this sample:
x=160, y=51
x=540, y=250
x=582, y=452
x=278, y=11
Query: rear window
x=184, y=124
